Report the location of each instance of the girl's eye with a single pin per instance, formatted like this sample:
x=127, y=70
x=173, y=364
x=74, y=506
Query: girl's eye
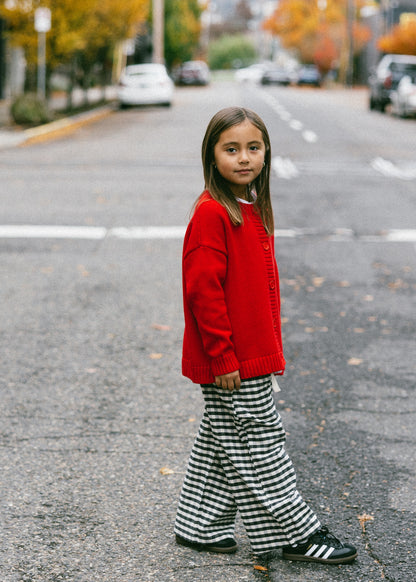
x=254, y=148
x=231, y=150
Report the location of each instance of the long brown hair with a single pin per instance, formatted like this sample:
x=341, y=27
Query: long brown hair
x=218, y=186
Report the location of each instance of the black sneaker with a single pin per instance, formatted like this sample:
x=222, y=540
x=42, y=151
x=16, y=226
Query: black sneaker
x=322, y=547
x=227, y=546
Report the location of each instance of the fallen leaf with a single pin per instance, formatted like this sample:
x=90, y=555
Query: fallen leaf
x=363, y=520
x=359, y=330
x=83, y=271
x=154, y=356
x=318, y=281
x=344, y=284
x=368, y=298
x=166, y=471
x=191, y=419
x=261, y=568
x=160, y=327
x=355, y=361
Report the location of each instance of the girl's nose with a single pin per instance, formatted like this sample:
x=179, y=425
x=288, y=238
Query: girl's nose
x=243, y=157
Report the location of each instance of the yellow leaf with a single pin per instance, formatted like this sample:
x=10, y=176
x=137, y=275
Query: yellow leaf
x=261, y=568
x=154, y=356
x=166, y=471
x=355, y=361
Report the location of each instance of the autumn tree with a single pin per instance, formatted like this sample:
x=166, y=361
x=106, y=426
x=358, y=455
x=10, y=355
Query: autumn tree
x=318, y=31
x=82, y=30
x=401, y=39
x=182, y=30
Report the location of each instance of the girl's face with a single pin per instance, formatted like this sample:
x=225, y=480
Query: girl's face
x=239, y=156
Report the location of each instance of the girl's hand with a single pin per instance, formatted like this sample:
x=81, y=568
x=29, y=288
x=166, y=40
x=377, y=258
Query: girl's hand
x=231, y=381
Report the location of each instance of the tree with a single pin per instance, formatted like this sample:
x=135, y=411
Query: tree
x=182, y=30
x=401, y=39
x=230, y=51
x=318, y=32
x=81, y=31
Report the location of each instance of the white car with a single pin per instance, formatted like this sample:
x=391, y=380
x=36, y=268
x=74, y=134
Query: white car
x=404, y=98
x=251, y=74
x=146, y=84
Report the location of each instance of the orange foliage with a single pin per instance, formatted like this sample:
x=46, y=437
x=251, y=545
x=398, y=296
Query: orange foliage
x=401, y=40
x=316, y=35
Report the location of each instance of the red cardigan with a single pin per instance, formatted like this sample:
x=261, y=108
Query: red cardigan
x=231, y=296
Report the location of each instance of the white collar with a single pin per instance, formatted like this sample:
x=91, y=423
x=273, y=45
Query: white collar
x=253, y=195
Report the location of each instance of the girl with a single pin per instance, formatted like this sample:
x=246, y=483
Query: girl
x=233, y=348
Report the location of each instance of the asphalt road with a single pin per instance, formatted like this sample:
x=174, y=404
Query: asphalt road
x=96, y=420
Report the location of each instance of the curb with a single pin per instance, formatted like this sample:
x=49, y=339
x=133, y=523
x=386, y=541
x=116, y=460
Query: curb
x=54, y=129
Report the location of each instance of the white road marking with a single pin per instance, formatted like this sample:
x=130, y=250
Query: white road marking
x=389, y=169
x=308, y=135
x=148, y=232
x=177, y=233
x=284, y=168
x=48, y=231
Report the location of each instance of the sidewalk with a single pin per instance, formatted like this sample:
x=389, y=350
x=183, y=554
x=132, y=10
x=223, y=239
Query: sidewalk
x=12, y=135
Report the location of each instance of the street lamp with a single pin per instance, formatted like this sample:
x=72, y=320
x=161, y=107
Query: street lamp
x=42, y=26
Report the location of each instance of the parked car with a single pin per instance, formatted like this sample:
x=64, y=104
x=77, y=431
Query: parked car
x=253, y=73
x=193, y=73
x=309, y=75
x=146, y=84
x=404, y=98
x=386, y=78
x=276, y=76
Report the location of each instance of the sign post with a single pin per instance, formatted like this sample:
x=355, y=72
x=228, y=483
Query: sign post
x=42, y=26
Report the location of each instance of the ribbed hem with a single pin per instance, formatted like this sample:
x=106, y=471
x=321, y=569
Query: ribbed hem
x=225, y=364
x=248, y=369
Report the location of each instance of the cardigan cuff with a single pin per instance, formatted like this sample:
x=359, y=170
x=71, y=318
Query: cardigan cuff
x=225, y=364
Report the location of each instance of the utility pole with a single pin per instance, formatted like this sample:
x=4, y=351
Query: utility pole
x=350, y=36
x=158, y=31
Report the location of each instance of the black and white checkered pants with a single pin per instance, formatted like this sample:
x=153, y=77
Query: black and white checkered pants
x=238, y=462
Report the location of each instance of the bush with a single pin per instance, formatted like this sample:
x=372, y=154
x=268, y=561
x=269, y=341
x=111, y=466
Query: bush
x=28, y=109
x=231, y=52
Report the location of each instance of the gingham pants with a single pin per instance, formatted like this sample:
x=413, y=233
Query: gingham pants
x=238, y=462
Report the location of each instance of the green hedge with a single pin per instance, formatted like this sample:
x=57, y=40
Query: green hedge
x=28, y=109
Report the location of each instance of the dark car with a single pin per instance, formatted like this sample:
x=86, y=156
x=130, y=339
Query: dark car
x=309, y=75
x=386, y=78
x=193, y=73
x=276, y=76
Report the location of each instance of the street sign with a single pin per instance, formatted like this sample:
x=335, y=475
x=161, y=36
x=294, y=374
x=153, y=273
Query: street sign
x=42, y=20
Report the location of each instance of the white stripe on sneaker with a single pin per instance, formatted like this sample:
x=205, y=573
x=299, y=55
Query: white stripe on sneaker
x=328, y=553
x=312, y=549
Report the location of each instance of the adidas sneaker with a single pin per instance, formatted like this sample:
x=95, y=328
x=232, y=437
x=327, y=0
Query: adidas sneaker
x=322, y=547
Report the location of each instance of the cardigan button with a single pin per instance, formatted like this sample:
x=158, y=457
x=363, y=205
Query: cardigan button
x=272, y=284
x=266, y=246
